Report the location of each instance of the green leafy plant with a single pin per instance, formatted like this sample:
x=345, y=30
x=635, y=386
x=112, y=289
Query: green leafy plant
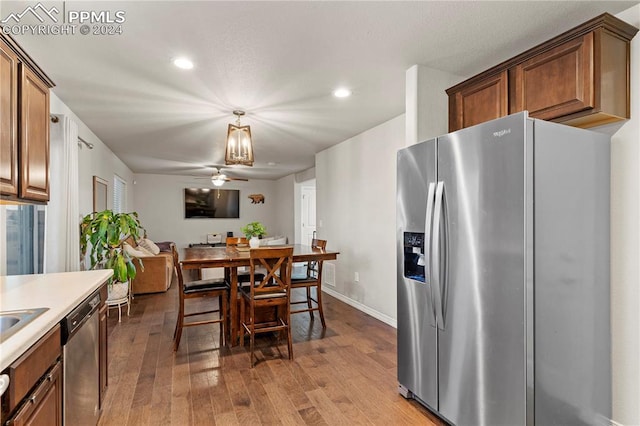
x=102, y=235
x=253, y=229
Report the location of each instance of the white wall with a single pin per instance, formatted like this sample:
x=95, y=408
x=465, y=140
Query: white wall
x=160, y=205
x=285, y=202
x=99, y=161
x=427, y=103
x=356, y=214
x=356, y=194
x=625, y=249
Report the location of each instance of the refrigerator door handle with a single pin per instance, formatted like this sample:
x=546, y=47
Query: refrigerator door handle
x=437, y=285
x=428, y=222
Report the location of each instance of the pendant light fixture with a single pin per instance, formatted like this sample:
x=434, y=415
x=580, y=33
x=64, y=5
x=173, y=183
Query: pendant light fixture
x=239, y=149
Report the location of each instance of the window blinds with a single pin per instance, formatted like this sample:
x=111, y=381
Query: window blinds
x=119, y=195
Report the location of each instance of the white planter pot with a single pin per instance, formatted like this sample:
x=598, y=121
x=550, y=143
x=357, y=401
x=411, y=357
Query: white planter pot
x=118, y=292
x=254, y=242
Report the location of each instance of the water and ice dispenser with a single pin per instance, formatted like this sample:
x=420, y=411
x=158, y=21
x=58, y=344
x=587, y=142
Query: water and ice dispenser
x=414, y=260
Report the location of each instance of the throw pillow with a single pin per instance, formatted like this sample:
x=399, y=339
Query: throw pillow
x=277, y=241
x=149, y=245
x=136, y=252
x=265, y=241
x=164, y=245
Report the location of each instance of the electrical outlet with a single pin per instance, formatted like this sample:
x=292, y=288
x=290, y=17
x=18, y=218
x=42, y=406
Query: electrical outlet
x=356, y=277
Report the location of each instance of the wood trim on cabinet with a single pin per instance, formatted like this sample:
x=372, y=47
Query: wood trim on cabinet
x=606, y=20
x=25, y=58
x=103, y=346
x=24, y=126
x=44, y=406
x=9, y=120
x=482, y=101
x=34, y=136
x=25, y=372
x=542, y=88
x=587, y=85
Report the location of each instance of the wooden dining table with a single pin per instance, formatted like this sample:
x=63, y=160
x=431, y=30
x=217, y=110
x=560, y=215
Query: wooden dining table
x=232, y=258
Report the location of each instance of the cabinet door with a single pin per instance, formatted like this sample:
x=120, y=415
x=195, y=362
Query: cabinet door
x=483, y=100
x=34, y=137
x=44, y=405
x=103, y=353
x=8, y=120
x=558, y=82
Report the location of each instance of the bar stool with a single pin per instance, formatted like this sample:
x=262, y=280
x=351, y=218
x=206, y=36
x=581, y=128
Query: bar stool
x=312, y=278
x=272, y=291
x=211, y=288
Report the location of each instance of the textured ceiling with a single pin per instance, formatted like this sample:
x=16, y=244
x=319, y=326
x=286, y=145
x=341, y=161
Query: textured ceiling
x=278, y=61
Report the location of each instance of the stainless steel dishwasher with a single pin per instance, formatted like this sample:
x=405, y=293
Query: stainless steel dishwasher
x=81, y=374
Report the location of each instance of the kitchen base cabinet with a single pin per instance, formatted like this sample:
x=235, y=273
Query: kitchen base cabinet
x=44, y=404
x=34, y=395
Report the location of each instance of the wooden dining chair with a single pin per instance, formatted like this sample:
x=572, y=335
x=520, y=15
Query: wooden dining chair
x=309, y=279
x=243, y=274
x=272, y=291
x=210, y=288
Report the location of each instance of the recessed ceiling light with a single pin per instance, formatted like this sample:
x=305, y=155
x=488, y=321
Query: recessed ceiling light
x=271, y=163
x=342, y=93
x=183, y=63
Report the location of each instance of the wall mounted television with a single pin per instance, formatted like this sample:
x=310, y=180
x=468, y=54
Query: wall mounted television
x=202, y=203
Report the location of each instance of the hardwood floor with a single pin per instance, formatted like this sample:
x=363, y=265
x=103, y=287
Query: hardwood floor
x=344, y=376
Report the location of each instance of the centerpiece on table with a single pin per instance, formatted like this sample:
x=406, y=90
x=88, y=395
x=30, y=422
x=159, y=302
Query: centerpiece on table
x=253, y=231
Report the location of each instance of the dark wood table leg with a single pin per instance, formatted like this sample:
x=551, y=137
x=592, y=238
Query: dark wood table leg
x=233, y=306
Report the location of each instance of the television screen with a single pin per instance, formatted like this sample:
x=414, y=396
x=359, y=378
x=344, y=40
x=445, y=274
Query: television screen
x=211, y=203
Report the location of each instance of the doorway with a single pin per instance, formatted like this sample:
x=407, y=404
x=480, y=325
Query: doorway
x=308, y=214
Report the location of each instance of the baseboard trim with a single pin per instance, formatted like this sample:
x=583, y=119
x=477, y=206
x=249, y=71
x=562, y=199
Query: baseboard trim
x=359, y=306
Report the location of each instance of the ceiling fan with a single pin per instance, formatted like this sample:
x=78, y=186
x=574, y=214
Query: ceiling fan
x=218, y=178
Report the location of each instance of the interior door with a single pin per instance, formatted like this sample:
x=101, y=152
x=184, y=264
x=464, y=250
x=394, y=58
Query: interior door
x=417, y=334
x=481, y=243
x=308, y=214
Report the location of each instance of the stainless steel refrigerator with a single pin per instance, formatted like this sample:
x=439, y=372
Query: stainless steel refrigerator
x=503, y=274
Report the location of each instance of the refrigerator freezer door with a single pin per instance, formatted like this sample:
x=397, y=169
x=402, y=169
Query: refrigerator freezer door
x=572, y=305
x=482, y=344
x=417, y=335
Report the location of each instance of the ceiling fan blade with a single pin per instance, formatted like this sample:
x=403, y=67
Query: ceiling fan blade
x=232, y=178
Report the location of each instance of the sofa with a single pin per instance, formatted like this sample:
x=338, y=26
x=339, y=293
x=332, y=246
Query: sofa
x=273, y=241
x=158, y=269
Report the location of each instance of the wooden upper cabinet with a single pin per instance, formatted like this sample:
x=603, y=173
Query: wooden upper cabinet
x=8, y=120
x=557, y=82
x=34, y=137
x=24, y=130
x=480, y=101
x=580, y=77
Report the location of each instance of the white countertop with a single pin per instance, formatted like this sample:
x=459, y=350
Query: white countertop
x=59, y=292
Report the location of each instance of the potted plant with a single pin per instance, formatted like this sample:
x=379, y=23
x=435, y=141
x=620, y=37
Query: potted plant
x=253, y=231
x=102, y=234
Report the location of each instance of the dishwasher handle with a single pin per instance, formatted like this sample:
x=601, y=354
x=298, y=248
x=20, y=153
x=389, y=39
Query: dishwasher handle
x=72, y=322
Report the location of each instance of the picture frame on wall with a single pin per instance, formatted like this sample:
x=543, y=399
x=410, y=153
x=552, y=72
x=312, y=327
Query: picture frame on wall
x=100, y=187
